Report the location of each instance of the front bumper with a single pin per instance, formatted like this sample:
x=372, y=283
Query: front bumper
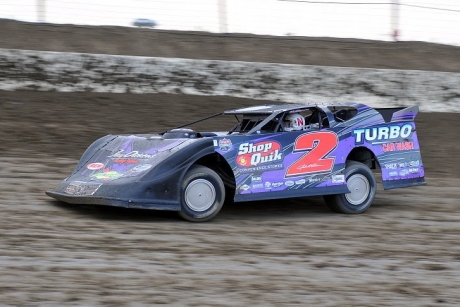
x=155, y=204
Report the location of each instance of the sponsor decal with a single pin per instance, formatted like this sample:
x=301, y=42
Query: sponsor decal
x=397, y=146
x=413, y=170
x=126, y=161
x=225, y=144
x=244, y=187
x=258, y=186
x=95, y=166
x=82, y=188
x=255, y=154
x=382, y=133
x=277, y=184
x=391, y=166
x=300, y=181
x=402, y=164
x=132, y=154
x=261, y=168
x=414, y=163
x=141, y=168
x=289, y=183
x=107, y=175
x=393, y=174
x=403, y=172
x=338, y=178
x=314, y=179
x=256, y=178
x=268, y=184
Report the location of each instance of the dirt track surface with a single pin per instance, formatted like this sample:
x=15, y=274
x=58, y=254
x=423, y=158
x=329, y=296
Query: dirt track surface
x=403, y=252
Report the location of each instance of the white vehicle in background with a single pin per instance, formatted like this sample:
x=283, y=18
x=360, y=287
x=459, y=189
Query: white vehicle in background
x=144, y=23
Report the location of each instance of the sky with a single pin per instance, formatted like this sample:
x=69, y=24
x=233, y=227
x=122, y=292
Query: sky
x=416, y=20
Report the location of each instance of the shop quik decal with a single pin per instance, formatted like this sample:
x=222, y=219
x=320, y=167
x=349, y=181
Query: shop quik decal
x=254, y=154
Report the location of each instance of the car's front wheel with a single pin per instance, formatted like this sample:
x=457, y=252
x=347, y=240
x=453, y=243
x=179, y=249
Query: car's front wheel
x=362, y=185
x=202, y=194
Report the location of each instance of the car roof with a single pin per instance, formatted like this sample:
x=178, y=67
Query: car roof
x=285, y=107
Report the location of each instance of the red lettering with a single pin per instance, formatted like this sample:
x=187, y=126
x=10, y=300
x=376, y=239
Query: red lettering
x=317, y=146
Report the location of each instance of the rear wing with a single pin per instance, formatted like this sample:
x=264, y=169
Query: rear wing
x=398, y=114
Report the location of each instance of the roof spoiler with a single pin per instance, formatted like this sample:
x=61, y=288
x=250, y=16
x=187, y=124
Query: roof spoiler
x=398, y=114
x=407, y=114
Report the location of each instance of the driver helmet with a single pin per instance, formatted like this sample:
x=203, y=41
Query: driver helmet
x=294, y=122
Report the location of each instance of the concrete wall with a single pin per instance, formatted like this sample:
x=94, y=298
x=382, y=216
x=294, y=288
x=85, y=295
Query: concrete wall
x=75, y=72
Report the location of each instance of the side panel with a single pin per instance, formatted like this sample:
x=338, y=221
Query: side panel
x=397, y=150
x=133, y=171
x=286, y=164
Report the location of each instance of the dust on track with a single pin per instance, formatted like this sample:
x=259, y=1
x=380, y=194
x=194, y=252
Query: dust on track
x=404, y=251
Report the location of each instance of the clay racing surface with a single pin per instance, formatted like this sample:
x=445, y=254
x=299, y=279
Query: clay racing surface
x=403, y=252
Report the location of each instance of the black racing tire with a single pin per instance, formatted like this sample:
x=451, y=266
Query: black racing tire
x=202, y=194
x=362, y=185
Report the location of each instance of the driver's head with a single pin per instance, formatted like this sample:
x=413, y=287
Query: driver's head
x=294, y=122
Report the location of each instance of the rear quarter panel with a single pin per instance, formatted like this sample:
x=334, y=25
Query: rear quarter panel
x=306, y=163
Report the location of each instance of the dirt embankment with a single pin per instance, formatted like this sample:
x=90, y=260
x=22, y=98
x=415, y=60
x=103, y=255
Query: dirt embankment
x=230, y=47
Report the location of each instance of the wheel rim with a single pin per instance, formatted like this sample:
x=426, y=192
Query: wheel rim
x=359, y=189
x=200, y=195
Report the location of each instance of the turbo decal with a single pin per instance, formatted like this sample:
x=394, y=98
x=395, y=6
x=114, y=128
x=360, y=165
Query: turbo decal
x=383, y=133
x=255, y=154
x=316, y=147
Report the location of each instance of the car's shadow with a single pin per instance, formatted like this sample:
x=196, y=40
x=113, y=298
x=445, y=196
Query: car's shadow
x=277, y=208
x=267, y=210
x=117, y=213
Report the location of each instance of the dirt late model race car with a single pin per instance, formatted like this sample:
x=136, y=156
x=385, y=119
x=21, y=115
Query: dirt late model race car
x=270, y=152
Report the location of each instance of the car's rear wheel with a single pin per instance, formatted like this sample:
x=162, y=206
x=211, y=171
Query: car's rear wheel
x=202, y=194
x=362, y=185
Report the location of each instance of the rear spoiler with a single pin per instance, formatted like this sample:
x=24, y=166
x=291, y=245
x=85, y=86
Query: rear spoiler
x=398, y=114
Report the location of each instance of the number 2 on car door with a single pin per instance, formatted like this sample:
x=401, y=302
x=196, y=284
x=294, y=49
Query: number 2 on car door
x=316, y=147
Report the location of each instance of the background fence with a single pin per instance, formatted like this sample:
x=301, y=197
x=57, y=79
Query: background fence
x=408, y=20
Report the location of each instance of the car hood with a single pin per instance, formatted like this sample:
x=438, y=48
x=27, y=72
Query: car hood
x=125, y=156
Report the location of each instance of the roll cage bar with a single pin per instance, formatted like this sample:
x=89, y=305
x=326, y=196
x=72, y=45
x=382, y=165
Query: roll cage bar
x=319, y=113
x=276, y=114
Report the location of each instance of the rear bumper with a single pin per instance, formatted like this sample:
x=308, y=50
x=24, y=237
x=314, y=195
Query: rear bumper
x=152, y=204
x=403, y=183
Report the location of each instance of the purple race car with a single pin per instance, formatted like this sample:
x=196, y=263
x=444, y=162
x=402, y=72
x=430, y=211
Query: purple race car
x=272, y=152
